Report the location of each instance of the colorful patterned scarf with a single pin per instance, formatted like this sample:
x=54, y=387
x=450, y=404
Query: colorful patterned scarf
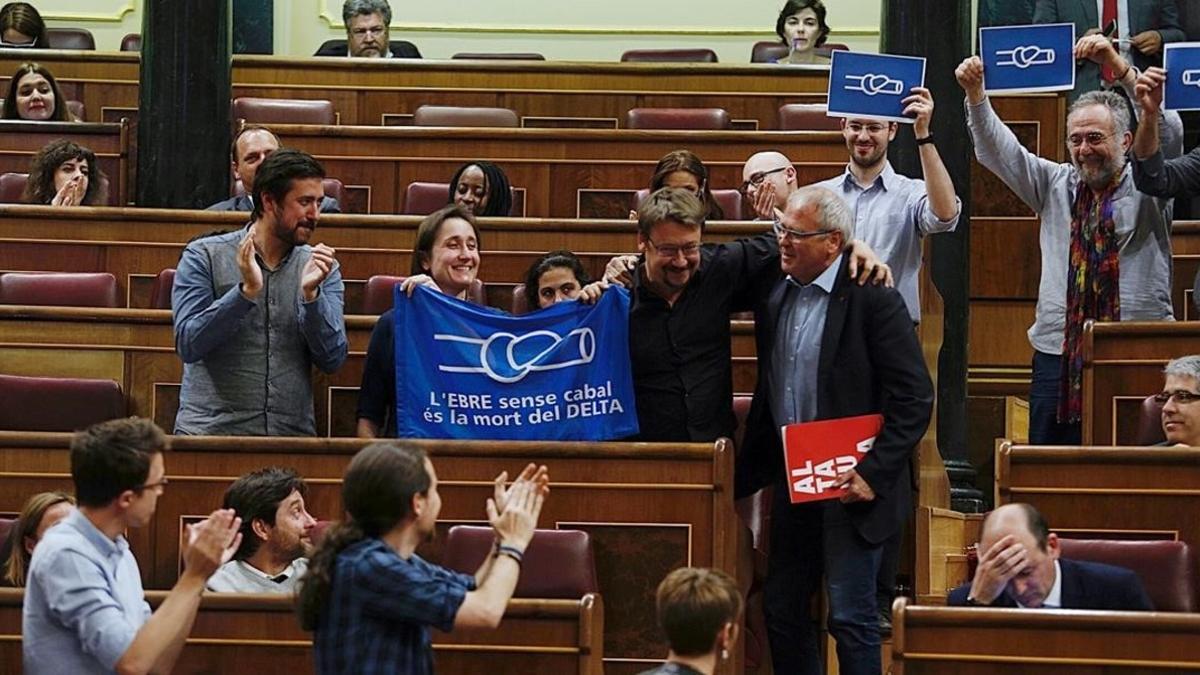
x=1093, y=287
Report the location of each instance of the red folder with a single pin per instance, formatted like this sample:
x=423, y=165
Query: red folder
x=815, y=452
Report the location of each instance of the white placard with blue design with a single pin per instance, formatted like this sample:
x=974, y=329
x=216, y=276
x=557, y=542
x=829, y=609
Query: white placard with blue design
x=1023, y=59
x=464, y=371
x=873, y=85
x=1182, y=62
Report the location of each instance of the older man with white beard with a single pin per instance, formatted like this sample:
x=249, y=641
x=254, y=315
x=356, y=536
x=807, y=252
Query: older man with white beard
x=1106, y=247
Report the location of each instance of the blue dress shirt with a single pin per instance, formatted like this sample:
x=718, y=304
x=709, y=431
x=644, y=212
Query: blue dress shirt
x=797, y=350
x=83, y=603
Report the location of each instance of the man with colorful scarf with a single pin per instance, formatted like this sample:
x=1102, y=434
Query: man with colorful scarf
x=1105, y=246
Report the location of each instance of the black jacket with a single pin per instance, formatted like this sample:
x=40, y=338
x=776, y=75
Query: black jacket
x=400, y=49
x=870, y=362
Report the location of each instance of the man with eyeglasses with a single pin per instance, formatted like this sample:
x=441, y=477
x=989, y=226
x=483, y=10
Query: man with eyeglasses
x=84, y=609
x=829, y=348
x=367, y=34
x=1105, y=245
x=1180, y=400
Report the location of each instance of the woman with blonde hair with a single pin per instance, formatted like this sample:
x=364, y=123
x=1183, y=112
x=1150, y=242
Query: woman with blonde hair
x=40, y=513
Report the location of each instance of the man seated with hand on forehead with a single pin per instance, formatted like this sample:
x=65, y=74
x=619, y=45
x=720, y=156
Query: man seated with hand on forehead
x=1020, y=566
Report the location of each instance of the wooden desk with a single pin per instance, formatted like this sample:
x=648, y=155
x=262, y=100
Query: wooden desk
x=20, y=141
x=649, y=508
x=565, y=173
x=259, y=633
x=1122, y=365
x=136, y=349
x=1106, y=493
x=930, y=640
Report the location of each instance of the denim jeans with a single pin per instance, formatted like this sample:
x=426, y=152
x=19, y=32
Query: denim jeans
x=1044, y=427
x=808, y=541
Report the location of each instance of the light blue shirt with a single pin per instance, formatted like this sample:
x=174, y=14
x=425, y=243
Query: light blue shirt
x=797, y=349
x=891, y=215
x=83, y=601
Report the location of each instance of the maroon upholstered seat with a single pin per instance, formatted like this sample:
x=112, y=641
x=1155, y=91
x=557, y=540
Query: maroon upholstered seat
x=834, y=47
x=69, y=289
x=57, y=404
x=768, y=51
x=6, y=528
x=70, y=38
x=377, y=297
x=729, y=200
x=464, y=116
x=12, y=186
x=807, y=117
x=1167, y=568
x=557, y=564
x=283, y=111
x=519, y=304
x=670, y=55
x=500, y=56
x=1150, y=431
x=160, y=293
x=131, y=43
x=422, y=199
x=711, y=119
x=77, y=110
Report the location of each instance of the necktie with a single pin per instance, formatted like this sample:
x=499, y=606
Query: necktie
x=1110, y=15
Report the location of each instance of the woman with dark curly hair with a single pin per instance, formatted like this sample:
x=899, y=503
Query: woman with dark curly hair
x=21, y=26
x=65, y=173
x=482, y=189
x=34, y=95
x=801, y=26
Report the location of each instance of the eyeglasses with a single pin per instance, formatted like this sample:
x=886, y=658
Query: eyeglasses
x=1091, y=138
x=158, y=487
x=784, y=232
x=670, y=251
x=18, y=45
x=857, y=128
x=1180, y=396
x=758, y=177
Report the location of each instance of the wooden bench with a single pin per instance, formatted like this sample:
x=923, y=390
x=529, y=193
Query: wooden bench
x=136, y=349
x=648, y=508
x=20, y=141
x=260, y=633
x=1122, y=365
x=1106, y=493
x=929, y=640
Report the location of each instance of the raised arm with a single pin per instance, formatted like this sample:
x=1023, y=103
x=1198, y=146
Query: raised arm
x=202, y=321
x=321, y=305
x=942, y=203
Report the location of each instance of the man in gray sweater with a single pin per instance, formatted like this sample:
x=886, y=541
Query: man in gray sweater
x=276, y=533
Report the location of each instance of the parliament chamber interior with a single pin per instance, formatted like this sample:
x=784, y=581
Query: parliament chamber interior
x=576, y=106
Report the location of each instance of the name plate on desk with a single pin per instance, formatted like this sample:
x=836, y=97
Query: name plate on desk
x=1023, y=59
x=873, y=85
x=1182, y=62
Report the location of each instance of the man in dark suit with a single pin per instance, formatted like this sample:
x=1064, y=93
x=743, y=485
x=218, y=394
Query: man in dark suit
x=829, y=348
x=1146, y=24
x=1019, y=566
x=250, y=147
x=367, y=33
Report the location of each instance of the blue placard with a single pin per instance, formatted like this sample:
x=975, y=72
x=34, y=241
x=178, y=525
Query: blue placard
x=464, y=371
x=873, y=85
x=1028, y=58
x=1182, y=62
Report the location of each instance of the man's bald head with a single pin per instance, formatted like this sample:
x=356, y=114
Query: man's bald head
x=769, y=167
x=1020, y=520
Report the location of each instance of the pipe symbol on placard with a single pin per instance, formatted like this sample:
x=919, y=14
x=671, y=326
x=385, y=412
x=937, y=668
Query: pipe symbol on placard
x=872, y=84
x=508, y=358
x=1025, y=56
x=1191, y=78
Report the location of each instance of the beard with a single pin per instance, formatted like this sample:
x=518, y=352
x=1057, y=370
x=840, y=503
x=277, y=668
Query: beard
x=1099, y=176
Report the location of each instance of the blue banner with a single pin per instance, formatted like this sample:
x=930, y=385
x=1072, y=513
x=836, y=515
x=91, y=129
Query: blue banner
x=1182, y=62
x=1028, y=58
x=464, y=371
x=873, y=85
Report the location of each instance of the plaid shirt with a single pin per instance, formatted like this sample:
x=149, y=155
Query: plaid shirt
x=380, y=609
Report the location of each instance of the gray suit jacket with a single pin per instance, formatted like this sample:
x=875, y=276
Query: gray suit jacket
x=1160, y=15
x=243, y=203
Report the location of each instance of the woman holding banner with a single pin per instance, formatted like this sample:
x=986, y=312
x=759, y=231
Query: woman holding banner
x=445, y=259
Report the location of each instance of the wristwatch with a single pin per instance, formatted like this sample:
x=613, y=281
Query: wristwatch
x=971, y=601
x=925, y=141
